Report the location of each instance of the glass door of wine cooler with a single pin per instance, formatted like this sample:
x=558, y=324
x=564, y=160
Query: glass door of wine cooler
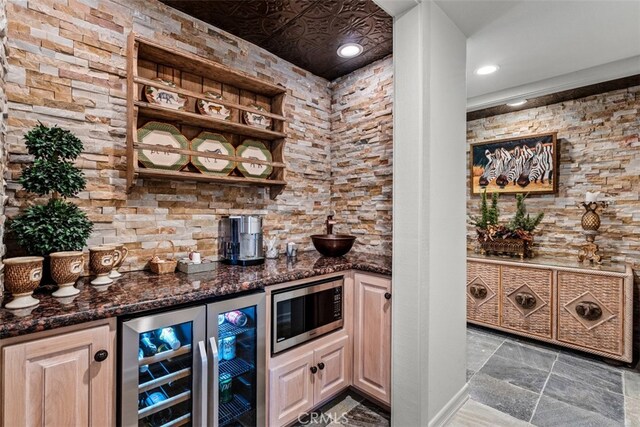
x=237, y=358
x=164, y=369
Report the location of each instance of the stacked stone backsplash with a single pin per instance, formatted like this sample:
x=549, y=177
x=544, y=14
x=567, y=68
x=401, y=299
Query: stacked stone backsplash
x=3, y=129
x=361, y=154
x=67, y=67
x=599, y=141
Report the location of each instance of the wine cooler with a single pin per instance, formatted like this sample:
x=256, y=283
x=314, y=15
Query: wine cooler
x=199, y=366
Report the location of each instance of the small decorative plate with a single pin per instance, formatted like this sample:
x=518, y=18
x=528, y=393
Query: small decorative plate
x=252, y=149
x=213, y=109
x=162, y=95
x=208, y=142
x=255, y=119
x=157, y=133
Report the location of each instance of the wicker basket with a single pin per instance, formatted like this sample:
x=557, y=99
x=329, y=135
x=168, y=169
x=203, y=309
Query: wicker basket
x=518, y=247
x=163, y=266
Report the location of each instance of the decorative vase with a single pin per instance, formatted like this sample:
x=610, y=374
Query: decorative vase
x=66, y=268
x=122, y=253
x=22, y=276
x=101, y=259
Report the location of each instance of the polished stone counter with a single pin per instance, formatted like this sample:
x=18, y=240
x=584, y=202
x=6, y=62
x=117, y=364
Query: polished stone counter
x=141, y=291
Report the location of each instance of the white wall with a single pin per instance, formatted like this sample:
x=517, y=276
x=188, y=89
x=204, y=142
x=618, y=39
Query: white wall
x=429, y=340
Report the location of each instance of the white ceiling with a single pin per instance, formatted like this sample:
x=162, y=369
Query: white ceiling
x=545, y=46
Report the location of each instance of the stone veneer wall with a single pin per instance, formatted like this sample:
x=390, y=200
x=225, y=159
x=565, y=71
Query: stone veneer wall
x=599, y=145
x=67, y=67
x=3, y=128
x=361, y=155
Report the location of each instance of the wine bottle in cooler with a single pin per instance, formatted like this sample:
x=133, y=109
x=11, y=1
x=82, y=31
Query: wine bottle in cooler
x=143, y=368
x=147, y=345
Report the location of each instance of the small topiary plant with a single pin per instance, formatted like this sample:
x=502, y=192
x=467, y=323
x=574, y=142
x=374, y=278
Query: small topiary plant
x=522, y=220
x=58, y=225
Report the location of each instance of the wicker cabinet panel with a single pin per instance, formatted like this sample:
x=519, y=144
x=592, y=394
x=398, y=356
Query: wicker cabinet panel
x=527, y=300
x=591, y=311
x=483, y=295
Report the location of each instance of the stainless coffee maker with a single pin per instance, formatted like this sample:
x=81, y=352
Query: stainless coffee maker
x=241, y=240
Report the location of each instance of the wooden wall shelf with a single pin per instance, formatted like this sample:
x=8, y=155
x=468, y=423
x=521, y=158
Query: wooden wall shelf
x=193, y=76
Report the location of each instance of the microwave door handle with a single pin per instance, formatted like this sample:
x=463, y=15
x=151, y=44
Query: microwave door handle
x=216, y=381
x=200, y=407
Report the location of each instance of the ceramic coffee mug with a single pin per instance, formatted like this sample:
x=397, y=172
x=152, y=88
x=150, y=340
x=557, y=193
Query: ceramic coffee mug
x=21, y=276
x=122, y=253
x=66, y=268
x=101, y=260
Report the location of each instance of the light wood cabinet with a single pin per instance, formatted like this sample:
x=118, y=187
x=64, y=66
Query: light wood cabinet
x=291, y=389
x=372, y=336
x=308, y=379
x=58, y=380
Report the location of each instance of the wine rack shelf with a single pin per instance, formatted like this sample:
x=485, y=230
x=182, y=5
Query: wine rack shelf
x=230, y=411
x=227, y=329
x=235, y=367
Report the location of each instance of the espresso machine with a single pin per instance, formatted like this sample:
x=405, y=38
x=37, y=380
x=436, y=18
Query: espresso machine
x=241, y=240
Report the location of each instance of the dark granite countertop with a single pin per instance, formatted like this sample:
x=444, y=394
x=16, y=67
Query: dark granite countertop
x=141, y=291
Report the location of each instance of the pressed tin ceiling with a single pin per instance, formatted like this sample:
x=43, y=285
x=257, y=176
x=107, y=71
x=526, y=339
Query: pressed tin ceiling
x=304, y=32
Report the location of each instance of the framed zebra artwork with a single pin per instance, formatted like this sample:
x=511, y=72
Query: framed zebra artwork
x=515, y=165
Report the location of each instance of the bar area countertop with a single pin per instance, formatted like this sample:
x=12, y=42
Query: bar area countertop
x=142, y=291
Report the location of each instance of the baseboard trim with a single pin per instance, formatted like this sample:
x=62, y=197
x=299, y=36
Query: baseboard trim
x=449, y=410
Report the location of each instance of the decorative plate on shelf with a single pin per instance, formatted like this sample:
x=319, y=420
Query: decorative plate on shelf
x=213, y=109
x=255, y=119
x=164, y=96
x=157, y=133
x=252, y=149
x=208, y=142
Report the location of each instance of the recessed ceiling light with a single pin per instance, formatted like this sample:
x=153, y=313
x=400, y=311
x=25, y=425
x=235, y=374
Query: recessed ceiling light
x=487, y=69
x=517, y=103
x=349, y=50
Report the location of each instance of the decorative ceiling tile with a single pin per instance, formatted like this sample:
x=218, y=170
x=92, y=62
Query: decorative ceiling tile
x=589, y=310
x=526, y=300
x=304, y=32
x=479, y=291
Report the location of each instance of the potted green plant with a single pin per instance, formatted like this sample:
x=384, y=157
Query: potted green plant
x=515, y=238
x=58, y=225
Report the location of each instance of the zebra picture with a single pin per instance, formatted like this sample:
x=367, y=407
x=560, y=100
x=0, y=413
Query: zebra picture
x=523, y=164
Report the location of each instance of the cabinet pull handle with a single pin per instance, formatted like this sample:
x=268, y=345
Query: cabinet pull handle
x=321, y=366
x=387, y=295
x=588, y=310
x=313, y=369
x=525, y=300
x=101, y=355
x=478, y=291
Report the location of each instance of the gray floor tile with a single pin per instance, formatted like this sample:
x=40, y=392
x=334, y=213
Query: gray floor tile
x=503, y=396
x=554, y=413
x=515, y=372
x=475, y=414
x=366, y=414
x=479, y=348
x=527, y=355
x=595, y=375
x=632, y=412
x=632, y=384
x=586, y=396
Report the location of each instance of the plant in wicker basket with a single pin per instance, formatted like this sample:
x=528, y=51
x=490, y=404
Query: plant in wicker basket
x=515, y=238
x=58, y=225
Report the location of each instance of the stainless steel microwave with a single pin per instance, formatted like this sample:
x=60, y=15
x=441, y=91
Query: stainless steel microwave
x=302, y=313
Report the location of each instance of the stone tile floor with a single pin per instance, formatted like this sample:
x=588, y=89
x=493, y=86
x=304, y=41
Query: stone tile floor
x=348, y=409
x=513, y=381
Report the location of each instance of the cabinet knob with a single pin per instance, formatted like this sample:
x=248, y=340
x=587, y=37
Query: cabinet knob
x=321, y=366
x=588, y=310
x=525, y=300
x=101, y=355
x=313, y=369
x=387, y=295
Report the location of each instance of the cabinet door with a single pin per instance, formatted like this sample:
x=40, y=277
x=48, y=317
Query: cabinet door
x=483, y=289
x=372, y=336
x=334, y=369
x=291, y=389
x=56, y=381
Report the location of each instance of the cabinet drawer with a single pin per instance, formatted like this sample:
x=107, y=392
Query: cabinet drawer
x=483, y=284
x=591, y=311
x=527, y=300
